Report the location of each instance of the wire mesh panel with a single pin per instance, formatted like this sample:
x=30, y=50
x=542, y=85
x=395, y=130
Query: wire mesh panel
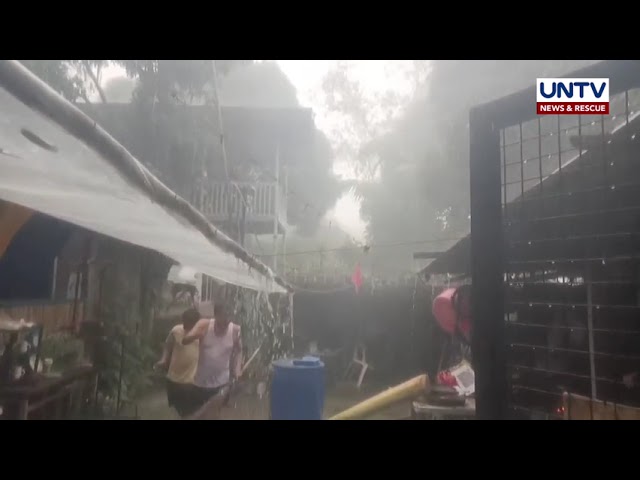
x=571, y=228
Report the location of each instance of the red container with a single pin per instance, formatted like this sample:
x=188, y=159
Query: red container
x=447, y=316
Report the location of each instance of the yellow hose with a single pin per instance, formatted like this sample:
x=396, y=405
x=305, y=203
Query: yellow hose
x=407, y=390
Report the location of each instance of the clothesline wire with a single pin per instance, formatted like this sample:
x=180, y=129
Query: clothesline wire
x=381, y=245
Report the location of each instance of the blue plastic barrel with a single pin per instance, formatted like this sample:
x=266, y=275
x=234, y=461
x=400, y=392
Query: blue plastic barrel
x=297, y=389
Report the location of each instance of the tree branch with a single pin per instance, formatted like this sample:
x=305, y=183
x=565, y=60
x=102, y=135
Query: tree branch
x=86, y=98
x=94, y=80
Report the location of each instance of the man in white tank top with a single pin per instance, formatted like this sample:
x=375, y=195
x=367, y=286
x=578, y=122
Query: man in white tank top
x=220, y=354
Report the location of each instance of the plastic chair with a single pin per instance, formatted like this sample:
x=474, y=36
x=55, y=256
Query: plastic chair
x=359, y=360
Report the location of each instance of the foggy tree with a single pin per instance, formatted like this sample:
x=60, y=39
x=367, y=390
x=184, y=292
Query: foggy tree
x=119, y=89
x=358, y=119
x=313, y=186
x=159, y=80
x=329, y=251
x=316, y=188
x=73, y=79
x=259, y=85
x=174, y=81
x=417, y=187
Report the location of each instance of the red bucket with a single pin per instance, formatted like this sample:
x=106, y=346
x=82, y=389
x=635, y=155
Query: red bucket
x=447, y=316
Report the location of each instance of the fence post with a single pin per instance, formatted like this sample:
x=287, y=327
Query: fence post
x=488, y=338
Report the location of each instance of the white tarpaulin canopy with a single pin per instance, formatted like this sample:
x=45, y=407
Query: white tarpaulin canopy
x=44, y=168
x=185, y=275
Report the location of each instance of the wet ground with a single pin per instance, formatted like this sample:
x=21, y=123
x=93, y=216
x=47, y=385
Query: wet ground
x=247, y=406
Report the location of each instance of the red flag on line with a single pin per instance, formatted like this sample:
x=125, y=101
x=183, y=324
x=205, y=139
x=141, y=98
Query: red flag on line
x=356, y=278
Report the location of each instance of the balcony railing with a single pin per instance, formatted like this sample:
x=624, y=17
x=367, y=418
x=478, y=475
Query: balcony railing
x=265, y=201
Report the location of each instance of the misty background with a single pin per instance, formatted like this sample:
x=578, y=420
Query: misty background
x=389, y=173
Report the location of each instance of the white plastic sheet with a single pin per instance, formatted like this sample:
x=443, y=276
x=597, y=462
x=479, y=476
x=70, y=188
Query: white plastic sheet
x=184, y=275
x=70, y=181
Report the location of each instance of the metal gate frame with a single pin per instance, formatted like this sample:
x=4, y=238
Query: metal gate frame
x=487, y=240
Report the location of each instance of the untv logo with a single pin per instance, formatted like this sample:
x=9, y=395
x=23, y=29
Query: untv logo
x=572, y=96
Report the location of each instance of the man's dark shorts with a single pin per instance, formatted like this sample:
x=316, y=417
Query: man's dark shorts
x=186, y=399
x=202, y=395
x=181, y=397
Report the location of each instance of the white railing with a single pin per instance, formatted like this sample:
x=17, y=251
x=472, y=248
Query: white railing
x=264, y=200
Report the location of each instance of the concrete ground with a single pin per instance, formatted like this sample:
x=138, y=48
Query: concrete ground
x=246, y=406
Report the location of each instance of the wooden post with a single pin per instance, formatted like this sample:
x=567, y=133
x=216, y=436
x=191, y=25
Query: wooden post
x=243, y=216
x=55, y=278
x=284, y=254
x=276, y=207
x=284, y=231
x=290, y=295
x=81, y=274
x=95, y=272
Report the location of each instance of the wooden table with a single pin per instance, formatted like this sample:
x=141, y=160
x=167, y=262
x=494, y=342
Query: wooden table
x=426, y=411
x=20, y=401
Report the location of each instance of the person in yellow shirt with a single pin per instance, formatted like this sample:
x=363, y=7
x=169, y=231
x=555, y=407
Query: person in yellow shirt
x=181, y=362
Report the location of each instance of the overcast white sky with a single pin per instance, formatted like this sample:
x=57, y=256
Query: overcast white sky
x=374, y=76
x=307, y=75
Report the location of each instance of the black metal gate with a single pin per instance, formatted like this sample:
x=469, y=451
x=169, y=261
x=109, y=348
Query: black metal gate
x=555, y=224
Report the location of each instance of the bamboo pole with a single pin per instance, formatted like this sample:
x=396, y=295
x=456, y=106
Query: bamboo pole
x=407, y=390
